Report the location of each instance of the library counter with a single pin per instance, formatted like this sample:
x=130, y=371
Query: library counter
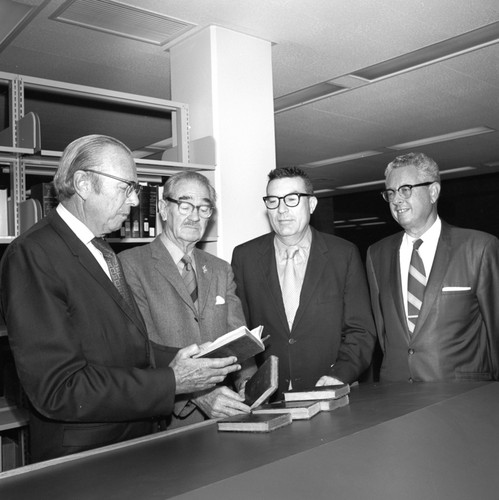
x=393, y=441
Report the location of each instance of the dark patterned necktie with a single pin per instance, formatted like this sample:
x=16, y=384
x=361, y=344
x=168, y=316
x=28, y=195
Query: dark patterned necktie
x=416, y=285
x=115, y=269
x=189, y=277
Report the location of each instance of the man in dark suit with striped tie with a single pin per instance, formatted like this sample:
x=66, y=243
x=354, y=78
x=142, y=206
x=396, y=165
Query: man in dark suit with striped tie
x=187, y=295
x=434, y=287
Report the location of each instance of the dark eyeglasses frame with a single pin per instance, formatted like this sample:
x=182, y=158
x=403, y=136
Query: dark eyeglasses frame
x=269, y=199
x=202, y=209
x=132, y=186
x=404, y=191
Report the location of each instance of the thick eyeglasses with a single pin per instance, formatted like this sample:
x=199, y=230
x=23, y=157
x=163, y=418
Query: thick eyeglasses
x=404, y=191
x=291, y=200
x=186, y=208
x=132, y=186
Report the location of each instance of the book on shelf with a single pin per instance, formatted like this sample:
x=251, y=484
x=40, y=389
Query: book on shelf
x=299, y=410
x=263, y=383
x=46, y=195
x=254, y=422
x=153, y=208
x=318, y=392
x=4, y=213
x=241, y=342
x=332, y=404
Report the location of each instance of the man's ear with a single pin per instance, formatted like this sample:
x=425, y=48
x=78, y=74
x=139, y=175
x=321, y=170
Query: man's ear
x=162, y=209
x=312, y=202
x=434, y=192
x=82, y=184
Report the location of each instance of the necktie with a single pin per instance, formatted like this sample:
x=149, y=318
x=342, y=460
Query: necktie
x=189, y=277
x=290, y=285
x=115, y=269
x=415, y=286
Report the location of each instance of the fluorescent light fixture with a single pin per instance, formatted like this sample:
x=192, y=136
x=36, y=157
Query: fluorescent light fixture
x=339, y=159
x=362, y=184
x=346, y=225
x=321, y=191
x=460, y=134
x=364, y=219
x=14, y=17
x=373, y=223
x=492, y=164
x=472, y=40
x=305, y=96
x=453, y=170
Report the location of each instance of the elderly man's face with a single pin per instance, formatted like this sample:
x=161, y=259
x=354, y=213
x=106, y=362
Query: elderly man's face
x=186, y=230
x=107, y=207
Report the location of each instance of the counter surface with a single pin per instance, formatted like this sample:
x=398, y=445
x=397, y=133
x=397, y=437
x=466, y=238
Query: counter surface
x=393, y=441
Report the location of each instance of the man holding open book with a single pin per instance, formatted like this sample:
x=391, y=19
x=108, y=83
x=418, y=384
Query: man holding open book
x=185, y=294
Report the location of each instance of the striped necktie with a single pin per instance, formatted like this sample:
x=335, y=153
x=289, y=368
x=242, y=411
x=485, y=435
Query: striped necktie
x=189, y=277
x=415, y=286
x=115, y=269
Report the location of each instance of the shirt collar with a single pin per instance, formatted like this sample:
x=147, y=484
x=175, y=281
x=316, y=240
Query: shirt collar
x=304, y=244
x=430, y=235
x=75, y=224
x=175, y=252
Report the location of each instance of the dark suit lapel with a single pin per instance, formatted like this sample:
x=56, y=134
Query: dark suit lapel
x=204, y=275
x=436, y=278
x=395, y=284
x=88, y=261
x=267, y=268
x=167, y=268
x=313, y=275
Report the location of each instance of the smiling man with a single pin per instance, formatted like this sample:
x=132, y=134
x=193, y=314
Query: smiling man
x=185, y=294
x=307, y=288
x=434, y=287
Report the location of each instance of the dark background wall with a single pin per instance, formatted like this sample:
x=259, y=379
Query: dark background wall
x=364, y=218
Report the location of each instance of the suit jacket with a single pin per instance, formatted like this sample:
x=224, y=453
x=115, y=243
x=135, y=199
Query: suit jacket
x=333, y=332
x=167, y=308
x=83, y=357
x=457, y=332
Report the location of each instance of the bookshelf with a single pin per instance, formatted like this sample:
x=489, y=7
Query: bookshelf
x=42, y=116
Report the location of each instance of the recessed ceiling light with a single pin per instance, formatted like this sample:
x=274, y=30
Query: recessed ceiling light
x=305, y=96
x=362, y=184
x=339, y=159
x=453, y=170
x=472, y=40
x=460, y=134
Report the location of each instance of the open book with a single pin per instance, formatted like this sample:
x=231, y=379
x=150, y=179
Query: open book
x=241, y=343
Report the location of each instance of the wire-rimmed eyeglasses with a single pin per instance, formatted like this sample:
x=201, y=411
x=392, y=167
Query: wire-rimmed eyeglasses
x=290, y=200
x=132, y=186
x=186, y=208
x=404, y=191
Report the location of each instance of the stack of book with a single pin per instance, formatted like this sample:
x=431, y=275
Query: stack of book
x=328, y=397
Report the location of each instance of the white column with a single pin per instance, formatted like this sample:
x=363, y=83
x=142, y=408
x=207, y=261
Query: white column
x=226, y=79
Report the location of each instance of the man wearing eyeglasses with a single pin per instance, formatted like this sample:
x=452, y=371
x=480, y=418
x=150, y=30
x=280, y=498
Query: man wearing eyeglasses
x=79, y=342
x=187, y=295
x=434, y=287
x=307, y=288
